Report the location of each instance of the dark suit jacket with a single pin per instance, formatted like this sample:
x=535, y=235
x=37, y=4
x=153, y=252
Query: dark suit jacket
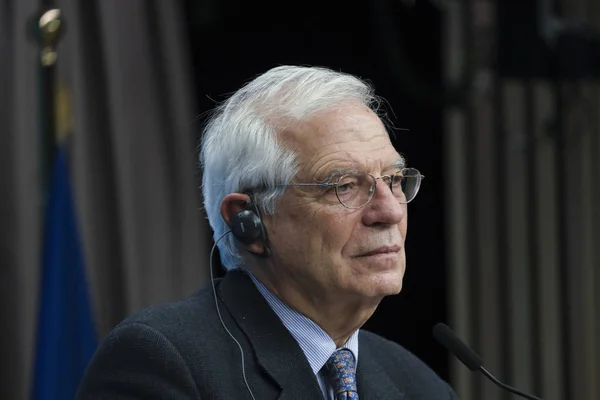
x=180, y=351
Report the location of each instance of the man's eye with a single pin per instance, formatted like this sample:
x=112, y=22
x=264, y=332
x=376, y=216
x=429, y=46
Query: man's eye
x=345, y=187
x=397, y=180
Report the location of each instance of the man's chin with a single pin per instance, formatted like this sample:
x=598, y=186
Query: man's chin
x=382, y=285
x=392, y=289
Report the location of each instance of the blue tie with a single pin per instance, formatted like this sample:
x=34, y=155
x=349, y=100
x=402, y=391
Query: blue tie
x=341, y=371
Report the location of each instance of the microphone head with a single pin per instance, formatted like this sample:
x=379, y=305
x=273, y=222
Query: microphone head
x=444, y=335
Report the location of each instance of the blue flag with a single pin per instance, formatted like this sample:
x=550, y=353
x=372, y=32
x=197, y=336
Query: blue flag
x=66, y=336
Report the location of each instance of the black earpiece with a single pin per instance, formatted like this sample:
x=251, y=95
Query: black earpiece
x=246, y=226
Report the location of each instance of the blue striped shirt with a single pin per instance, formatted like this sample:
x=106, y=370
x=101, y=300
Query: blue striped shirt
x=313, y=340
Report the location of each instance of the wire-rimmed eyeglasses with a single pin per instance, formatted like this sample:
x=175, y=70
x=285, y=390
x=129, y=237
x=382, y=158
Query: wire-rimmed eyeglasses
x=356, y=190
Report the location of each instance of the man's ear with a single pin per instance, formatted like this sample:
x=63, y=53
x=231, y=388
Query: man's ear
x=232, y=204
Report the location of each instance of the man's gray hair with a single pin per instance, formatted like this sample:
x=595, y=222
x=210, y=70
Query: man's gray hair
x=241, y=147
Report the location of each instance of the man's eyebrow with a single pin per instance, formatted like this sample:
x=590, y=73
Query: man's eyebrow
x=399, y=163
x=336, y=172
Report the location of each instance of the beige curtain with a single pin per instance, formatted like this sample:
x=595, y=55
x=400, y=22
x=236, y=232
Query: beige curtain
x=523, y=234
x=125, y=68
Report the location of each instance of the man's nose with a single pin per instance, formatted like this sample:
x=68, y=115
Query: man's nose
x=384, y=207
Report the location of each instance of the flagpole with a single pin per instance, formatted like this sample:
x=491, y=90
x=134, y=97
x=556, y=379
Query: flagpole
x=50, y=29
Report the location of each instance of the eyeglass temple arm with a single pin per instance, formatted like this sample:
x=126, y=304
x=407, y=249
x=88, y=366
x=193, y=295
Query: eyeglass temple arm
x=308, y=184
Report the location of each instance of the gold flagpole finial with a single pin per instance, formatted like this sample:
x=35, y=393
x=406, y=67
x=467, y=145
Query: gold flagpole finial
x=51, y=28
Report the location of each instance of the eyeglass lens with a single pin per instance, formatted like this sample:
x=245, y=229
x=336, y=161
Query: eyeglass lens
x=356, y=190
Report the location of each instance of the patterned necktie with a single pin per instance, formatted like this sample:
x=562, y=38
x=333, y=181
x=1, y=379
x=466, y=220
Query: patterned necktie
x=342, y=374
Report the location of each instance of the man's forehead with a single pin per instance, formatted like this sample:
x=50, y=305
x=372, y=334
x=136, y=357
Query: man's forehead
x=333, y=126
x=348, y=139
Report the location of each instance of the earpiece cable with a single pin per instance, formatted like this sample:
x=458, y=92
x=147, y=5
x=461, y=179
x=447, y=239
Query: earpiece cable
x=212, y=281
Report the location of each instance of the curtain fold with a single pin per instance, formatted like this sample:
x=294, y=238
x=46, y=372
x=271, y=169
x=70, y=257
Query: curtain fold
x=523, y=201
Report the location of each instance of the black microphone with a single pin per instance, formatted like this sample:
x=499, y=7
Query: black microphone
x=444, y=335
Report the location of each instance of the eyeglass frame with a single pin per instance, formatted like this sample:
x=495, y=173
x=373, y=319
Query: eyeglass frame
x=371, y=190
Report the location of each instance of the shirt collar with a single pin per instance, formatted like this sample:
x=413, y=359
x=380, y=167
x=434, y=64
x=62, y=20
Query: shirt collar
x=313, y=340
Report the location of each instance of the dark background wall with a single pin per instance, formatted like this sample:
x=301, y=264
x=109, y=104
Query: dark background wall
x=233, y=41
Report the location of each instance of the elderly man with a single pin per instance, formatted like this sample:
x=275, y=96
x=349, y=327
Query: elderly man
x=307, y=198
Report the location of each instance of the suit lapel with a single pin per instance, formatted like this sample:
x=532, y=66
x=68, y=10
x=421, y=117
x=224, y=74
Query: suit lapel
x=372, y=380
x=276, y=350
